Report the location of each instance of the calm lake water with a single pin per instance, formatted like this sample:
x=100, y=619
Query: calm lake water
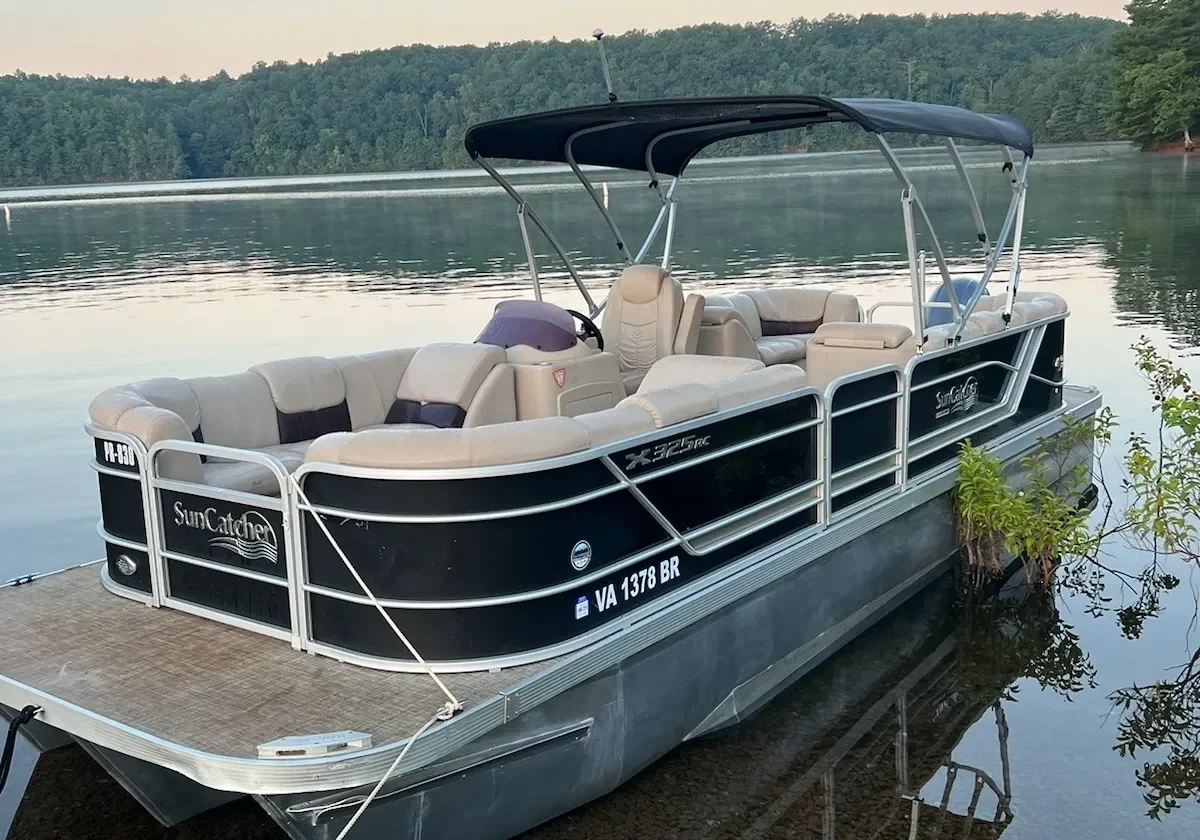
x=96, y=293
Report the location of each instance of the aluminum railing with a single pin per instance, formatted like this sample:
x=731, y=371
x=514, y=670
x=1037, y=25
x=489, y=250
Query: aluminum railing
x=821, y=492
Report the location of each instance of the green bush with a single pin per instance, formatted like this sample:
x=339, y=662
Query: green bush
x=1039, y=521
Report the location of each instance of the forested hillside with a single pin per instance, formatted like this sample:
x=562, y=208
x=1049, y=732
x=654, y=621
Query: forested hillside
x=407, y=107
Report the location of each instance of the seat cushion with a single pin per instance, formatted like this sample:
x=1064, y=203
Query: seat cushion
x=681, y=369
x=242, y=476
x=782, y=349
x=675, y=404
x=255, y=478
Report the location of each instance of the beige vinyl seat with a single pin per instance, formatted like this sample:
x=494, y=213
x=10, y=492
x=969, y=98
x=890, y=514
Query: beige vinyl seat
x=646, y=319
x=676, y=389
x=279, y=408
x=774, y=325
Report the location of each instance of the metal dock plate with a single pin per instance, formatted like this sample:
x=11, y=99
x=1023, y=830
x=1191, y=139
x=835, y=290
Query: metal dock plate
x=310, y=746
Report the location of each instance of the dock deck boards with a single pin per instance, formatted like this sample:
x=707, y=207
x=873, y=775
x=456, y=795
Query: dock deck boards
x=201, y=684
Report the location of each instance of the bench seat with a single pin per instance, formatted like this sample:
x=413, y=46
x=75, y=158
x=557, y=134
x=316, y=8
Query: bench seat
x=772, y=325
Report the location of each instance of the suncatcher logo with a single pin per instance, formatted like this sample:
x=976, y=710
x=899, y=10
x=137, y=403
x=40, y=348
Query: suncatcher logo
x=249, y=536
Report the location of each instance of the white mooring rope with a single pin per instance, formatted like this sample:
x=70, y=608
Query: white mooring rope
x=366, y=803
x=452, y=706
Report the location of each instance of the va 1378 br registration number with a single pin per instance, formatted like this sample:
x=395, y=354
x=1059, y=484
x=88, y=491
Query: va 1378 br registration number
x=633, y=585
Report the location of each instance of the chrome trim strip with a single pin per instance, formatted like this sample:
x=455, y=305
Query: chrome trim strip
x=103, y=470
x=866, y=502
x=854, y=485
x=853, y=468
x=767, y=523
x=496, y=600
x=876, y=401
x=123, y=591
x=124, y=543
x=737, y=516
x=209, y=491
x=483, y=516
x=946, y=377
x=249, y=574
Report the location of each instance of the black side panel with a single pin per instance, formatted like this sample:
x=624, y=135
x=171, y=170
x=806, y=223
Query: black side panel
x=136, y=576
x=121, y=507
x=230, y=594
x=224, y=532
x=700, y=494
x=483, y=632
x=1039, y=397
x=453, y=496
x=481, y=559
x=844, y=500
x=939, y=405
x=866, y=432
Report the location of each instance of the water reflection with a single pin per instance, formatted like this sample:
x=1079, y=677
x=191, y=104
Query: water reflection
x=869, y=745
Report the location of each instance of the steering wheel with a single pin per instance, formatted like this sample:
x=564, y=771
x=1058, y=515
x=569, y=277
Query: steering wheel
x=588, y=329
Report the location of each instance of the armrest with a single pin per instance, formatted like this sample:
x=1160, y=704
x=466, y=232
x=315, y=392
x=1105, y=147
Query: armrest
x=688, y=333
x=715, y=314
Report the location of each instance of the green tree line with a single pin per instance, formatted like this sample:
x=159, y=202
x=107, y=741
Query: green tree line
x=406, y=108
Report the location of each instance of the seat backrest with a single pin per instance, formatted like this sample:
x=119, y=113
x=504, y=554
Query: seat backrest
x=642, y=317
x=309, y=396
x=455, y=386
x=236, y=410
x=745, y=307
x=372, y=380
x=800, y=311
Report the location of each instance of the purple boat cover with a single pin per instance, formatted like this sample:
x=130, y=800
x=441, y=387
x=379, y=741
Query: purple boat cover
x=532, y=323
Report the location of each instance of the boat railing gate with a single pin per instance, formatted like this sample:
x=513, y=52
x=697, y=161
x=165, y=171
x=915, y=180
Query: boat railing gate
x=874, y=433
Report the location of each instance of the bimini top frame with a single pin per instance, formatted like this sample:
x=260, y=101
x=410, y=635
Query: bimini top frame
x=661, y=137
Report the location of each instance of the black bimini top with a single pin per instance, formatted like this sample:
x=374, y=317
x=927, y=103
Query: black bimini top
x=619, y=134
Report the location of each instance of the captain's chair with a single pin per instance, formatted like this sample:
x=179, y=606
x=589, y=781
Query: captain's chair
x=646, y=318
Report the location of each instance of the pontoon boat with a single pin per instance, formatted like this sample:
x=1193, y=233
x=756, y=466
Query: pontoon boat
x=459, y=589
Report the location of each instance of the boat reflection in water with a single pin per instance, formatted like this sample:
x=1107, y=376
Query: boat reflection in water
x=863, y=747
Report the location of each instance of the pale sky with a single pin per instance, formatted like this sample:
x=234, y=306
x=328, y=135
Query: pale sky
x=152, y=38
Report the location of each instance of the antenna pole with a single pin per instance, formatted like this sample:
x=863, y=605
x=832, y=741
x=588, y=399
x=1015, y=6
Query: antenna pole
x=598, y=34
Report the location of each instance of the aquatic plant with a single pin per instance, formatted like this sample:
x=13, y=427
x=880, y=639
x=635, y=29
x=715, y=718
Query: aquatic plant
x=1041, y=519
